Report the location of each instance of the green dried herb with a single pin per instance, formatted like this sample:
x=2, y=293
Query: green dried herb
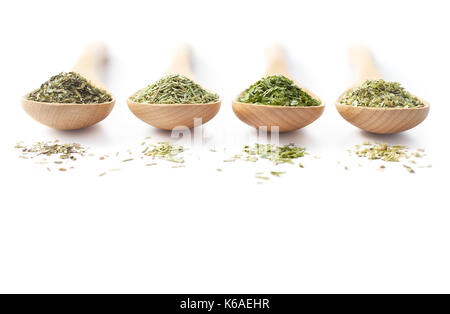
x=64, y=151
x=380, y=94
x=409, y=169
x=276, y=154
x=175, y=89
x=384, y=152
x=165, y=150
x=277, y=173
x=388, y=153
x=69, y=88
x=277, y=90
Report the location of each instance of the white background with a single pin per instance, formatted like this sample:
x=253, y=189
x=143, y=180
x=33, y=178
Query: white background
x=193, y=229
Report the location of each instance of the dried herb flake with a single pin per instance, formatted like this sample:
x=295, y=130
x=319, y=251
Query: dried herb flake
x=69, y=88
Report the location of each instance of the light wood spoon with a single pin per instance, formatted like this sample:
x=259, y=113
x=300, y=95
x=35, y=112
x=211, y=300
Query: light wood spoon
x=284, y=117
x=169, y=116
x=377, y=120
x=75, y=116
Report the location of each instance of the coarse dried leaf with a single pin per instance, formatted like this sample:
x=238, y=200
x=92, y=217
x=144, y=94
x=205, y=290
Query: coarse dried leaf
x=276, y=154
x=175, y=89
x=69, y=88
x=64, y=151
x=383, y=151
x=277, y=90
x=165, y=151
x=380, y=94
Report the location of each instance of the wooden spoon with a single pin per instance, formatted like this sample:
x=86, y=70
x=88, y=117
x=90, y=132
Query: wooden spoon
x=169, y=116
x=75, y=116
x=284, y=117
x=377, y=120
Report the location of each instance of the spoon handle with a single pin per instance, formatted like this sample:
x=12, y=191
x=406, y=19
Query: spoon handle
x=92, y=60
x=365, y=64
x=276, y=61
x=182, y=61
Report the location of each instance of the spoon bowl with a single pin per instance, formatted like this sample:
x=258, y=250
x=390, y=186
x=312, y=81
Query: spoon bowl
x=75, y=116
x=67, y=116
x=285, y=118
x=383, y=120
x=378, y=120
x=170, y=116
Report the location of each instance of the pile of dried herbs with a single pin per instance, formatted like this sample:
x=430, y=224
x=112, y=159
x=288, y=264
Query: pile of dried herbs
x=274, y=153
x=277, y=90
x=69, y=88
x=45, y=150
x=380, y=94
x=389, y=153
x=382, y=151
x=175, y=89
x=165, y=151
x=64, y=151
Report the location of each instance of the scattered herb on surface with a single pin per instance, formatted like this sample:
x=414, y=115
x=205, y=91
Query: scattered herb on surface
x=277, y=90
x=165, y=151
x=277, y=173
x=384, y=152
x=175, y=89
x=63, y=151
x=380, y=94
x=69, y=88
x=388, y=153
x=274, y=153
x=410, y=169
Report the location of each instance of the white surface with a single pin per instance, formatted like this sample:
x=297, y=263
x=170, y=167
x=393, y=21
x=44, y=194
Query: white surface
x=158, y=229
